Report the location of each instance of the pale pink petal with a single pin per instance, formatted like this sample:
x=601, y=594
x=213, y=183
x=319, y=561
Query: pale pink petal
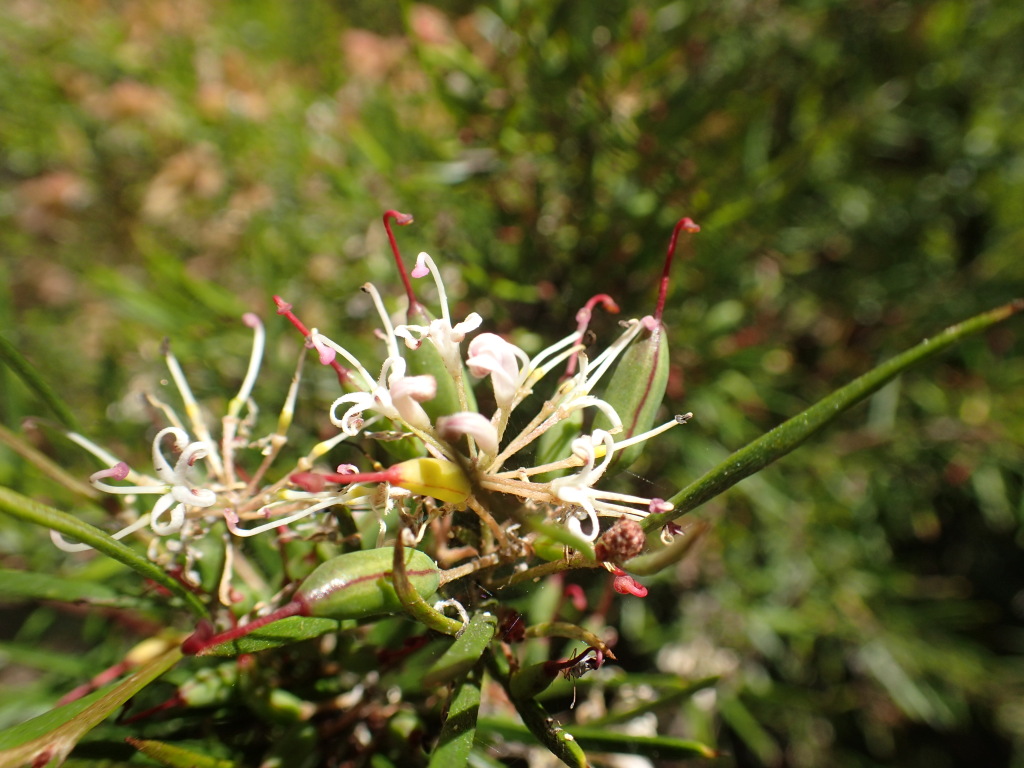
x=475, y=425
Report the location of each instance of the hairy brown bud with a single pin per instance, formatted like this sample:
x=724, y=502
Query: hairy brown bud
x=621, y=542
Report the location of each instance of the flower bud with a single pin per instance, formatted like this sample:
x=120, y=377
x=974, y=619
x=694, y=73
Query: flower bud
x=623, y=541
x=444, y=480
x=358, y=584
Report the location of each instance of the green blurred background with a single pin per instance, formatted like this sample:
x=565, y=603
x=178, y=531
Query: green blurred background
x=856, y=167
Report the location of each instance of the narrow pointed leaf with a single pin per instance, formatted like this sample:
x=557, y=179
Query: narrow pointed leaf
x=536, y=721
x=457, y=734
x=784, y=438
x=28, y=374
x=45, y=586
x=603, y=740
x=46, y=465
x=294, y=629
x=32, y=511
x=465, y=652
x=176, y=757
x=46, y=740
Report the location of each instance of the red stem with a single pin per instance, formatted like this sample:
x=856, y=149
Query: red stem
x=199, y=641
x=314, y=481
x=402, y=220
x=285, y=309
x=583, y=318
x=684, y=223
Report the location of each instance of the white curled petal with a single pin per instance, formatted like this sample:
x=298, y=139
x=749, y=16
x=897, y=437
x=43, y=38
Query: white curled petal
x=412, y=335
x=361, y=401
x=192, y=453
x=418, y=388
x=193, y=497
x=471, y=323
x=163, y=468
x=475, y=425
x=504, y=354
x=576, y=529
x=412, y=413
x=176, y=519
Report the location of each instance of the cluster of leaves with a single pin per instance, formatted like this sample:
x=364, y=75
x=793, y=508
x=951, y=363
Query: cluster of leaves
x=856, y=170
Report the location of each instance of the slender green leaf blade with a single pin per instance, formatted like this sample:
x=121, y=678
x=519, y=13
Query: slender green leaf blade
x=602, y=740
x=456, y=740
x=294, y=629
x=465, y=652
x=47, y=739
x=177, y=757
x=46, y=465
x=28, y=374
x=775, y=444
x=45, y=586
x=28, y=509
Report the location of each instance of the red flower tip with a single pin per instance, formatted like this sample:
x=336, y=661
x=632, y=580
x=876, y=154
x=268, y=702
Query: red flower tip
x=309, y=481
x=625, y=584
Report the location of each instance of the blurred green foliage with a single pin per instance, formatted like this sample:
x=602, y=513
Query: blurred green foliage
x=857, y=169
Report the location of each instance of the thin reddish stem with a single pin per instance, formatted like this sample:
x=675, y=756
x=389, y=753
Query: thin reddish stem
x=402, y=220
x=583, y=318
x=199, y=641
x=314, y=481
x=684, y=223
x=285, y=309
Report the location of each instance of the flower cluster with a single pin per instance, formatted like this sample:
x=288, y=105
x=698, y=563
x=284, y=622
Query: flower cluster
x=457, y=456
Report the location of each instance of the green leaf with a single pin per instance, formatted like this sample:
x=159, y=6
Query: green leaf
x=602, y=740
x=775, y=444
x=540, y=724
x=456, y=740
x=27, y=509
x=465, y=652
x=31, y=654
x=536, y=719
x=176, y=757
x=46, y=465
x=294, y=629
x=672, y=690
x=28, y=374
x=46, y=740
x=753, y=734
x=44, y=586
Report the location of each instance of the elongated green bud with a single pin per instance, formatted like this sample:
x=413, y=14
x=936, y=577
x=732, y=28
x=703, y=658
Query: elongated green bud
x=358, y=584
x=638, y=385
x=426, y=359
x=637, y=389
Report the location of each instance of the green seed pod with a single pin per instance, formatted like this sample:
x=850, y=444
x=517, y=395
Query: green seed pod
x=426, y=359
x=400, y=447
x=637, y=388
x=641, y=375
x=358, y=585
